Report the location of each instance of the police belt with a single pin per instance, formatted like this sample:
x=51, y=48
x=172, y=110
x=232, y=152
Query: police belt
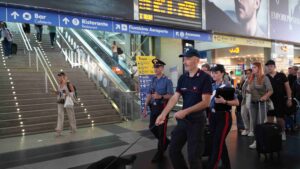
x=215, y=111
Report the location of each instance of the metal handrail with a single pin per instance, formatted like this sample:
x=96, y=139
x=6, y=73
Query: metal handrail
x=39, y=59
x=23, y=37
x=101, y=64
x=26, y=42
x=107, y=50
x=47, y=67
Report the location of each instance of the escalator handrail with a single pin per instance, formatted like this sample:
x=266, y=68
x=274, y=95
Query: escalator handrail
x=100, y=63
x=105, y=47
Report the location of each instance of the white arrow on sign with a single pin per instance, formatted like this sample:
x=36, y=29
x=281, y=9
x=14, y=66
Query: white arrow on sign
x=66, y=20
x=118, y=26
x=15, y=14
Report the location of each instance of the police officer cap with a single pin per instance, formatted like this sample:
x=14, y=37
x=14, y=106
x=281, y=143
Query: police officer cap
x=218, y=67
x=190, y=52
x=157, y=63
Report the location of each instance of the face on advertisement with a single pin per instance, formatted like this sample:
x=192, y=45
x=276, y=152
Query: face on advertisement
x=246, y=9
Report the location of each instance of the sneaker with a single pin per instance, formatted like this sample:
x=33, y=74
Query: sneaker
x=283, y=136
x=245, y=132
x=251, y=134
x=253, y=145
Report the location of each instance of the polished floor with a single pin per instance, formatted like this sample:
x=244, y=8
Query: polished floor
x=88, y=145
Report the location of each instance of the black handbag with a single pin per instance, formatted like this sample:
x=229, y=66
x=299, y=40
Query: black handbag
x=61, y=101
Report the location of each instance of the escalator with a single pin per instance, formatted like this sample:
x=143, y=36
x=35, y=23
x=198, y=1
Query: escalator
x=104, y=52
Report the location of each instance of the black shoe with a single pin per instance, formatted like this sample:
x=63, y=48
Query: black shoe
x=157, y=157
x=167, y=144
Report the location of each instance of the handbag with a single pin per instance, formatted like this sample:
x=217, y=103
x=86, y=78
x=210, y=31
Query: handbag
x=270, y=105
x=69, y=102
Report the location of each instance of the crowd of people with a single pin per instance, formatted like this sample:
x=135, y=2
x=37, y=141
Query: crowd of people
x=264, y=96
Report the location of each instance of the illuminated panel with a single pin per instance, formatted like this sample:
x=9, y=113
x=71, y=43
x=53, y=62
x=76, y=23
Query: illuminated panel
x=171, y=12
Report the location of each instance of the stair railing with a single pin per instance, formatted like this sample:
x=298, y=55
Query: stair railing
x=122, y=99
x=26, y=42
x=49, y=77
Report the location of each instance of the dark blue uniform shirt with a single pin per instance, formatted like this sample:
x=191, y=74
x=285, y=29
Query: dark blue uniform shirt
x=162, y=86
x=215, y=86
x=192, y=89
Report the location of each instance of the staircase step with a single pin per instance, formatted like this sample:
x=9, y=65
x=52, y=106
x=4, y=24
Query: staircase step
x=48, y=127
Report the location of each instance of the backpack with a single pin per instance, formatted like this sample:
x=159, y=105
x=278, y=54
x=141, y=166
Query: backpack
x=119, y=51
x=75, y=90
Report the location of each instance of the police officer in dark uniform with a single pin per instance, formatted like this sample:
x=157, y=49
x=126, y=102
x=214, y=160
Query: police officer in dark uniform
x=220, y=119
x=195, y=88
x=159, y=92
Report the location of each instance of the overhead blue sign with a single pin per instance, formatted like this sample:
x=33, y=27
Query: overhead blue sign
x=142, y=29
x=192, y=35
x=33, y=17
x=2, y=14
x=56, y=19
x=85, y=23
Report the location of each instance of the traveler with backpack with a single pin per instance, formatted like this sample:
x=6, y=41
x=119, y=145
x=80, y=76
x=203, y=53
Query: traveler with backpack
x=66, y=94
x=260, y=90
x=114, y=49
x=6, y=39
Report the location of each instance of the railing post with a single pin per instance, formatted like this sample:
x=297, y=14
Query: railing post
x=37, y=62
x=29, y=58
x=46, y=82
x=88, y=67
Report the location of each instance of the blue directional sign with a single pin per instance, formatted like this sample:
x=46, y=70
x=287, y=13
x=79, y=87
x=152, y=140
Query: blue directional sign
x=2, y=14
x=32, y=16
x=192, y=35
x=56, y=19
x=85, y=23
x=145, y=81
x=142, y=29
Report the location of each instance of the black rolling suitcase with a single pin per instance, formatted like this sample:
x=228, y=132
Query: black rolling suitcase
x=268, y=138
x=14, y=48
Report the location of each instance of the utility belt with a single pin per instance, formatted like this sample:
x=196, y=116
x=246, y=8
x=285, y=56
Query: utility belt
x=216, y=111
x=158, y=102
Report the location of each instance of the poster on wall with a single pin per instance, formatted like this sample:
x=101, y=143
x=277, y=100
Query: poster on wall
x=285, y=20
x=248, y=17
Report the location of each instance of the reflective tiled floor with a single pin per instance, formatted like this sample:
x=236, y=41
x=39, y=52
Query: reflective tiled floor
x=88, y=145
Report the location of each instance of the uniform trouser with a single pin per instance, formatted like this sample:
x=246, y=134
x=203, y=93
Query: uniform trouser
x=60, y=118
x=191, y=132
x=220, y=125
x=160, y=132
x=52, y=37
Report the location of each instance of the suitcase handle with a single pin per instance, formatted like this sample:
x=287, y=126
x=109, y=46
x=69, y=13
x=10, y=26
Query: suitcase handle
x=259, y=111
